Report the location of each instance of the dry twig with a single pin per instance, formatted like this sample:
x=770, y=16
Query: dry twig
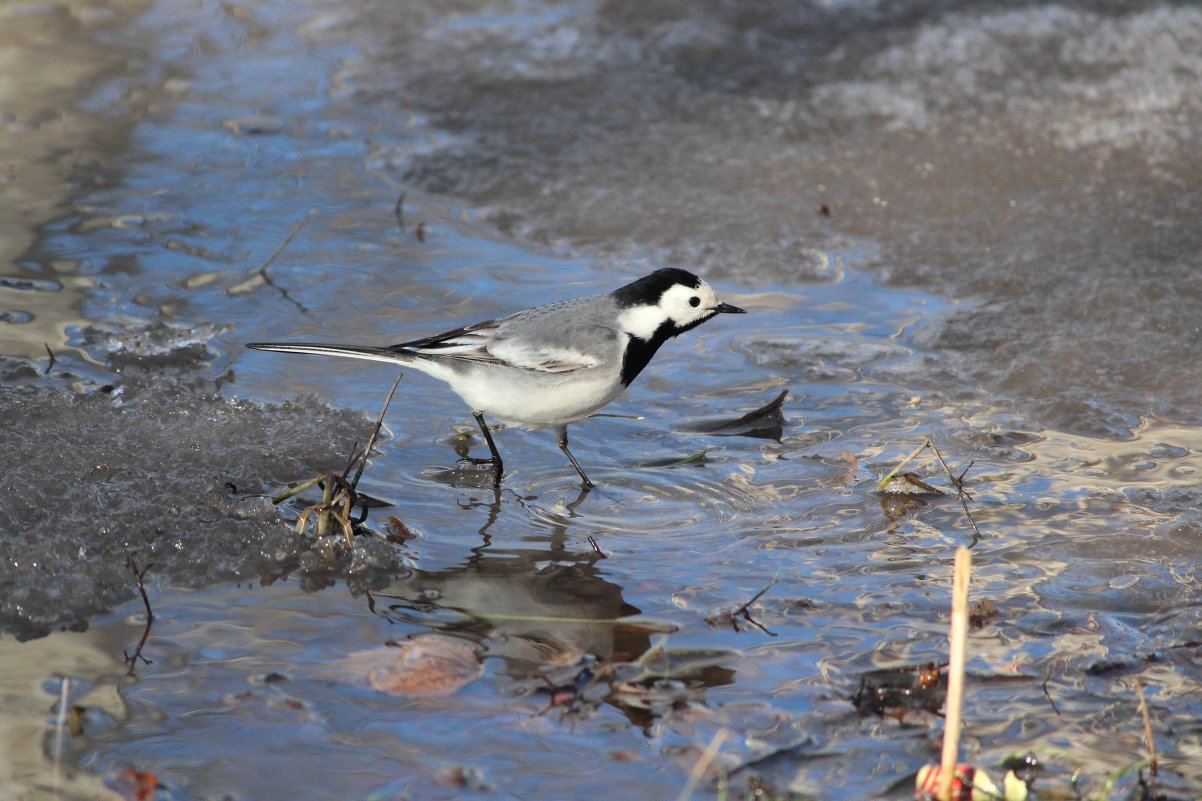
x=139, y=574
x=261, y=273
x=957, y=481
x=371, y=442
x=961, y=493
x=744, y=612
x=338, y=496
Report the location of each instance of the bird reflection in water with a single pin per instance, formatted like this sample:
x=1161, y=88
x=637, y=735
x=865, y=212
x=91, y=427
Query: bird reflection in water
x=550, y=615
x=530, y=607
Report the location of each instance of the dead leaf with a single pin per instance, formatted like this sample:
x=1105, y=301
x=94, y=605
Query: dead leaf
x=982, y=613
x=430, y=665
x=398, y=532
x=134, y=785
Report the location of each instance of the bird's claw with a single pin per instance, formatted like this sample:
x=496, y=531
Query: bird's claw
x=491, y=462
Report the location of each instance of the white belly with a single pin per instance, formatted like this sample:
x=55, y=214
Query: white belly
x=544, y=403
x=531, y=399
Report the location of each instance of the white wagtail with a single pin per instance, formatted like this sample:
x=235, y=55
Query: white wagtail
x=550, y=365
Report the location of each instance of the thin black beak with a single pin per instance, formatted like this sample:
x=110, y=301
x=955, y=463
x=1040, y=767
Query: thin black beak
x=726, y=308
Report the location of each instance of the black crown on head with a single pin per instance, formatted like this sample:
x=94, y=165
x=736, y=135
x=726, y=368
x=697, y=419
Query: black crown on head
x=650, y=288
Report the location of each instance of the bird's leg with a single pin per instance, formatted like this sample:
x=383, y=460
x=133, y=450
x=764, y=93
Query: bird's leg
x=562, y=439
x=495, y=459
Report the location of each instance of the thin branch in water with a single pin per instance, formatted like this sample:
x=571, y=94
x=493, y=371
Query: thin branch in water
x=399, y=211
x=261, y=272
x=350, y=460
x=956, y=482
x=1047, y=694
x=961, y=493
x=140, y=574
x=284, y=293
x=301, y=223
x=744, y=612
x=371, y=442
x=49, y=352
x=744, y=609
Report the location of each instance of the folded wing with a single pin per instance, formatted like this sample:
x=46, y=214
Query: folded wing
x=495, y=343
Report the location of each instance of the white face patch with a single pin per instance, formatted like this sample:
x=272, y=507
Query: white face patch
x=680, y=304
x=685, y=305
x=641, y=321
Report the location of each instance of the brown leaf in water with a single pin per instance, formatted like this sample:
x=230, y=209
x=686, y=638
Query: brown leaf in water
x=982, y=613
x=850, y=472
x=424, y=666
x=398, y=532
x=134, y=785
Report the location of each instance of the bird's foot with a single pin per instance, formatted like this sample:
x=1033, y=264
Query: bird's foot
x=490, y=461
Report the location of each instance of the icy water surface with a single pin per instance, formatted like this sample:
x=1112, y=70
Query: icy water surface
x=969, y=222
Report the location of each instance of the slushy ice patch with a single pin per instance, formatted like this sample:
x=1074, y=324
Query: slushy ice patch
x=177, y=478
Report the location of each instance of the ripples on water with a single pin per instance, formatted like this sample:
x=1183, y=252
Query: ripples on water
x=548, y=152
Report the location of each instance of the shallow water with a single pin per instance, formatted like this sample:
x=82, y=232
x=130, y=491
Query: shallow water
x=1007, y=265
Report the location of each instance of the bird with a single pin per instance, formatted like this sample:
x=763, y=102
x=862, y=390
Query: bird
x=551, y=365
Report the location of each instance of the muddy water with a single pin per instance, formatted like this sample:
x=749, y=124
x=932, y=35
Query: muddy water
x=973, y=225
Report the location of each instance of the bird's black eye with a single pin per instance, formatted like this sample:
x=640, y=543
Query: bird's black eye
x=694, y=301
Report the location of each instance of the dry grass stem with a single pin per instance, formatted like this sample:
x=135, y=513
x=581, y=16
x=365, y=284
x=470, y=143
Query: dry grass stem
x=702, y=764
x=1149, y=740
x=955, y=673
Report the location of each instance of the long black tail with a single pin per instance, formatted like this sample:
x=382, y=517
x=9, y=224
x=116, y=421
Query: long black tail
x=346, y=351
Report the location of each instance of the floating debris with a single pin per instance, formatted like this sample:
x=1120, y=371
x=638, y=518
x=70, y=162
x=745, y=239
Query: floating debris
x=895, y=692
x=766, y=422
x=982, y=613
x=254, y=126
x=696, y=458
x=968, y=784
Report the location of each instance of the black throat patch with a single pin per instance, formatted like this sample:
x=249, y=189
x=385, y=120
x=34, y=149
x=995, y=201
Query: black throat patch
x=639, y=351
